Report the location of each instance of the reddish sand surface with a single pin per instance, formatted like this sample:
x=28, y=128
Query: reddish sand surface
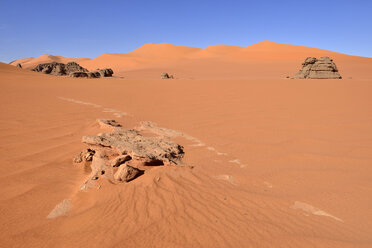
x=270, y=162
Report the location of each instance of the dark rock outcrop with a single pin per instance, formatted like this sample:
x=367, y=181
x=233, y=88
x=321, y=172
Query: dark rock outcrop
x=71, y=69
x=19, y=65
x=59, y=69
x=313, y=68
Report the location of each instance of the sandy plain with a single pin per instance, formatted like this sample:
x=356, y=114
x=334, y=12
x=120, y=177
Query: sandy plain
x=276, y=162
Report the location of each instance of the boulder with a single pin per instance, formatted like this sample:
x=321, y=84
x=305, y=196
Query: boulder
x=165, y=75
x=125, y=173
x=313, y=68
x=19, y=65
x=105, y=72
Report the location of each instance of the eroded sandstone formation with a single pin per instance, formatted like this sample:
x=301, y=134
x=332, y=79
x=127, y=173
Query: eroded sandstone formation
x=111, y=153
x=313, y=68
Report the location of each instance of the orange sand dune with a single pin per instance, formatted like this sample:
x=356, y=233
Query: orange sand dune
x=259, y=61
x=30, y=63
x=276, y=163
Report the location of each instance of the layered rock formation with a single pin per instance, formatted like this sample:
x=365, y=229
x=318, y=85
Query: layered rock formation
x=313, y=68
x=111, y=153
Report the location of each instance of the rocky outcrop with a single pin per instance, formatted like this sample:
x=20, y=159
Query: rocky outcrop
x=71, y=69
x=165, y=75
x=313, y=68
x=112, y=154
x=131, y=142
x=19, y=65
x=59, y=69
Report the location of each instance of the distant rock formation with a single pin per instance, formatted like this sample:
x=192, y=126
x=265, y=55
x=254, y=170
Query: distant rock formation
x=313, y=68
x=59, y=69
x=71, y=69
x=111, y=153
x=19, y=65
x=165, y=75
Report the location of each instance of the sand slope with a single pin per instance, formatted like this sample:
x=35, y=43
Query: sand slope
x=263, y=60
x=277, y=163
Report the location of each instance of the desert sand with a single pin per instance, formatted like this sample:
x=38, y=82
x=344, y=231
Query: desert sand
x=269, y=161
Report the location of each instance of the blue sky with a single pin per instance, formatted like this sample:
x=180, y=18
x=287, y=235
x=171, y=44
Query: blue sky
x=90, y=28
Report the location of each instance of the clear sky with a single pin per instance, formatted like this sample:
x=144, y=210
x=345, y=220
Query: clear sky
x=73, y=28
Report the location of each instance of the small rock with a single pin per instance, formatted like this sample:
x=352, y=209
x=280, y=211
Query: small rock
x=89, y=154
x=78, y=158
x=165, y=75
x=126, y=173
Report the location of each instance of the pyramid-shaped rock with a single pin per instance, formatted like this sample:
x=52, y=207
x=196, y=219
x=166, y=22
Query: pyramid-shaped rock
x=323, y=68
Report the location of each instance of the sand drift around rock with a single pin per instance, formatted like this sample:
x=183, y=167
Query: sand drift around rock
x=110, y=152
